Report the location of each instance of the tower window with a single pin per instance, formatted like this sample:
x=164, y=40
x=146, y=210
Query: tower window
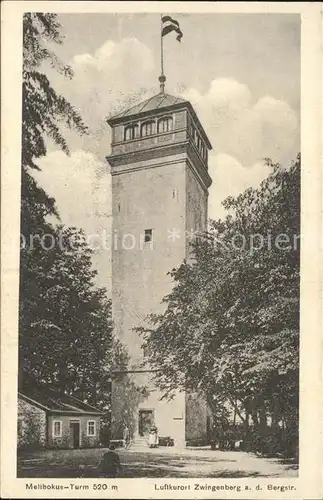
x=147, y=128
x=145, y=351
x=130, y=132
x=165, y=124
x=148, y=235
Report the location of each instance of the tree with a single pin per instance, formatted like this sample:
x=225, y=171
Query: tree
x=44, y=111
x=230, y=329
x=65, y=321
x=65, y=327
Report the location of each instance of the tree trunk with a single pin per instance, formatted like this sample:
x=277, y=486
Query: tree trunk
x=211, y=402
x=275, y=415
x=94, y=393
x=262, y=420
x=236, y=409
x=254, y=416
x=235, y=413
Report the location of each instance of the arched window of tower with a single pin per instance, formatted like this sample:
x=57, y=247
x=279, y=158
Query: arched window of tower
x=147, y=128
x=130, y=132
x=203, y=151
x=165, y=124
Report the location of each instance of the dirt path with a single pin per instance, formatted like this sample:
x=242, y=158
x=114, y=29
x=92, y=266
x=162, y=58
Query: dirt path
x=167, y=462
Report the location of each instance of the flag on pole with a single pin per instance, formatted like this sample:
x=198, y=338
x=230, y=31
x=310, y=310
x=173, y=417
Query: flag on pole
x=169, y=24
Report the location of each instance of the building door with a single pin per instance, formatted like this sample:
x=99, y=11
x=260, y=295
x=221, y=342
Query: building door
x=75, y=434
x=146, y=421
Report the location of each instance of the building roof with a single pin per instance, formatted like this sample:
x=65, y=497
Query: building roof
x=158, y=101
x=53, y=401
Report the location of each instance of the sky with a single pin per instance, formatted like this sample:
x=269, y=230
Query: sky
x=241, y=73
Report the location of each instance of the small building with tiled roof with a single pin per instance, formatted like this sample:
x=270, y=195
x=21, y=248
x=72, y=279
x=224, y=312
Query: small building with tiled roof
x=50, y=419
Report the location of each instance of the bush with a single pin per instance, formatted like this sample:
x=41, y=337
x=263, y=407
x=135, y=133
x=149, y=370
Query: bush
x=273, y=442
x=291, y=443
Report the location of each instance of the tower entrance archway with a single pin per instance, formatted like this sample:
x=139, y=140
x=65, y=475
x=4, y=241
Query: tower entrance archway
x=145, y=421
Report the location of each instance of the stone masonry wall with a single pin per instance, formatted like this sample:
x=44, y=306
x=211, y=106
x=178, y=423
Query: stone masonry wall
x=31, y=426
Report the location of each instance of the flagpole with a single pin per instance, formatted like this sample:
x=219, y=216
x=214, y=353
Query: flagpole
x=162, y=77
x=161, y=46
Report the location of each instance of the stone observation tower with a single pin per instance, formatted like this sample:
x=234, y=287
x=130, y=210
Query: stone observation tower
x=160, y=181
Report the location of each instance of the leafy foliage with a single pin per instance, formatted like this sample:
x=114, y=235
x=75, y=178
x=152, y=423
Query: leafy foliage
x=126, y=396
x=44, y=111
x=65, y=326
x=65, y=321
x=231, y=326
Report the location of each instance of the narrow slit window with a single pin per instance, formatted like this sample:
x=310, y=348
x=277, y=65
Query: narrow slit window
x=148, y=235
x=175, y=194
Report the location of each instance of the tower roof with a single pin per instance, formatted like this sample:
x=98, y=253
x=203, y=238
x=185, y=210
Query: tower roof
x=158, y=101
x=161, y=101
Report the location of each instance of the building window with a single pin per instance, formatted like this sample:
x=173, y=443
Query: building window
x=203, y=151
x=198, y=141
x=20, y=427
x=91, y=430
x=130, y=132
x=148, y=235
x=57, y=428
x=199, y=144
x=145, y=351
x=175, y=194
x=147, y=128
x=165, y=124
